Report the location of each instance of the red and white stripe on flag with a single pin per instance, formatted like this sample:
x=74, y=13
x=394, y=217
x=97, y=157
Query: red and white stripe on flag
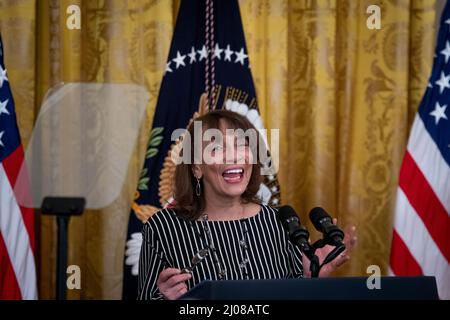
x=421, y=237
x=420, y=243
x=17, y=263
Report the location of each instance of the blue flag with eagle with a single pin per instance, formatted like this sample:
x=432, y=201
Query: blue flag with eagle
x=179, y=98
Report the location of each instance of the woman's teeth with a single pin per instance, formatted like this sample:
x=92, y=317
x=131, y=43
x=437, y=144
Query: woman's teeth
x=234, y=171
x=233, y=175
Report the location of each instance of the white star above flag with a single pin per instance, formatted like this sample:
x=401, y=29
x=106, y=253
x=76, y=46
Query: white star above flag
x=217, y=51
x=203, y=53
x=439, y=113
x=443, y=82
x=1, y=135
x=3, y=76
x=179, y=60
x=192, y=55
x=240, y=56
x=168, y=69
x=228, y=52
x=3, y=106
x=446, y=51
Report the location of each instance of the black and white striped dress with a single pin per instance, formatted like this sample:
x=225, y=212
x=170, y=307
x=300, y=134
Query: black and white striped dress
x=251, y=248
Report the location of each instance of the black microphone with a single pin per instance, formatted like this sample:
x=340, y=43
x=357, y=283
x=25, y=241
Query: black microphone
x=324, y=224
x=298, y=234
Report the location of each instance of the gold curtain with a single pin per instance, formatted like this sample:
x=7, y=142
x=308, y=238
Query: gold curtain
x=342, y=95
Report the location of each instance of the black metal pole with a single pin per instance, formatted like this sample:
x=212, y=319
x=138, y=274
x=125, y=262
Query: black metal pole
x=63, y=208
x=314, y=267
x=61, y=262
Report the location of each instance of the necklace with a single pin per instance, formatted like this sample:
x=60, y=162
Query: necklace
x=212, y=248
x=243, y=245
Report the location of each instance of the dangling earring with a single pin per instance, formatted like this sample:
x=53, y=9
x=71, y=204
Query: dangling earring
x=198, y=188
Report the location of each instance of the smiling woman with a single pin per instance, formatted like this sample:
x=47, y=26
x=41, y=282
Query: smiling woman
x=215, y=177
x=217, y=214
x=218, y=228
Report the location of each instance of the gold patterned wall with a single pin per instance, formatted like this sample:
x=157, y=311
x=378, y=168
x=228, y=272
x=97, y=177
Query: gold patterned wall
x=343, y=97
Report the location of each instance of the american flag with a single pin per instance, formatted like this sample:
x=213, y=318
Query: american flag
x=421, y=237
x=17, y=263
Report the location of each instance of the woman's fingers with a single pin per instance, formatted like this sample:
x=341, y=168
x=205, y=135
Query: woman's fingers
x=350, y=238
x=175, y=292
x=342, y=258
x=180, y=293
x=176, y=279
x=172, y=283
x=167, y=273
x=306, y=264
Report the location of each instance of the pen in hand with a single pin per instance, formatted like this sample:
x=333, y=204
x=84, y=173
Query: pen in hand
x=196, y=259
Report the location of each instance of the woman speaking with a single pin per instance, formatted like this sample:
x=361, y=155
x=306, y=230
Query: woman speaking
x=218, y=229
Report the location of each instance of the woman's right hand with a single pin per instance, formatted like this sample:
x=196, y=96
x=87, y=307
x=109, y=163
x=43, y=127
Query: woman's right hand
x=171, y=283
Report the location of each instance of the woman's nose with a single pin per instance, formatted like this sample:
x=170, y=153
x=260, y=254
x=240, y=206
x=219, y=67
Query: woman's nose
x=237, y=156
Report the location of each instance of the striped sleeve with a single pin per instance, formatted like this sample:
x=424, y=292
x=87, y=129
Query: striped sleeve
x=293, y=253
x=150, y=266
x=297, y=265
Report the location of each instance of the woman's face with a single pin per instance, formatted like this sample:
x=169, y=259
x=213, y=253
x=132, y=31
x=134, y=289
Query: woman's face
x=231, y=168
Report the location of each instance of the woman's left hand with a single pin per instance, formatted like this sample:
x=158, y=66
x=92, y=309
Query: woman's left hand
x=349, y=240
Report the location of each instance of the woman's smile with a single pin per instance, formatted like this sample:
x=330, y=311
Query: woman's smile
x=233, y=175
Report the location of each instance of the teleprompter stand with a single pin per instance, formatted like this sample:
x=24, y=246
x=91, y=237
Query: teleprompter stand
x=63, y=208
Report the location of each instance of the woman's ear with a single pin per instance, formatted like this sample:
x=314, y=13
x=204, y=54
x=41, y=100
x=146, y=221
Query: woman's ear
x=197, y=171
